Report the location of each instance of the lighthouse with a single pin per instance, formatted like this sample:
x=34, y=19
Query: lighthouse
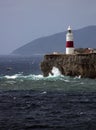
x=69, y=41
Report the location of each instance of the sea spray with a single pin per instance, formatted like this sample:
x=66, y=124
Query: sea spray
x=55, y=72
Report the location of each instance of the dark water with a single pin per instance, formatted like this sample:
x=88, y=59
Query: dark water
x=30, y=101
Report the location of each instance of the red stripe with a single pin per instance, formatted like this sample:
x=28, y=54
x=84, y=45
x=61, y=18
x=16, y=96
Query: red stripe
x=69, y=44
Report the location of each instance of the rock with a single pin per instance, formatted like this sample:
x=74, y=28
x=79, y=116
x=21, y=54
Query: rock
x=83, y=65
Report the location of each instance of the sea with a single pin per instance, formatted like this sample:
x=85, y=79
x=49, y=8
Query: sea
x=29, y=101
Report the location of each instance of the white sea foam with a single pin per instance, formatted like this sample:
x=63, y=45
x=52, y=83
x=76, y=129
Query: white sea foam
x=20, y=76
x=66, y=80
x=55, y=72
x=44, y=92
x=12, y=76
x=78, y=77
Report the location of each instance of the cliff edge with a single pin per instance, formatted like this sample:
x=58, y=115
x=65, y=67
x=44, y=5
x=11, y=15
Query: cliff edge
x=83, y=65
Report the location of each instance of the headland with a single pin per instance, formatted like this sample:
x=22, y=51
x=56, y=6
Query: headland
x=75, y=62
x=83, y=65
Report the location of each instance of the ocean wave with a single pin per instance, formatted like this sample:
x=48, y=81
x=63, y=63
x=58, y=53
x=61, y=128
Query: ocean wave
x=30, y=76
x=55, y=72
x=12, y=76
x=21, y=77
x=55, y=75
x=53, y=82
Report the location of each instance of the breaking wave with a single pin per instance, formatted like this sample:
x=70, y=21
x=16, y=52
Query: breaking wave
x=44, y=84
x=55, y=72
x=21, y=76
x=24, y=73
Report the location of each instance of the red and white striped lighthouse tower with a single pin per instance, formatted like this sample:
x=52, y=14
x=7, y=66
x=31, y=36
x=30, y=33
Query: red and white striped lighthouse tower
x=69, y=41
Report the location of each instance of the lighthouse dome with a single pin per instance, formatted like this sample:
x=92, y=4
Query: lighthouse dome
x=69, y=28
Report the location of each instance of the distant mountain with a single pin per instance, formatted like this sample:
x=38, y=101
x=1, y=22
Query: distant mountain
x=83, y=38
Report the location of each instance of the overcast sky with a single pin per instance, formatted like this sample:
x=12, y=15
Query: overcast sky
x=22, y=21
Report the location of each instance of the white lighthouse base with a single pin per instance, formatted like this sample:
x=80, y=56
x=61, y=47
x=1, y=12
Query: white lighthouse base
x=70, y=50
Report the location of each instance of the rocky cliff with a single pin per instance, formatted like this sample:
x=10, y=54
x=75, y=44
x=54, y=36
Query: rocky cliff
x=83, y=65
